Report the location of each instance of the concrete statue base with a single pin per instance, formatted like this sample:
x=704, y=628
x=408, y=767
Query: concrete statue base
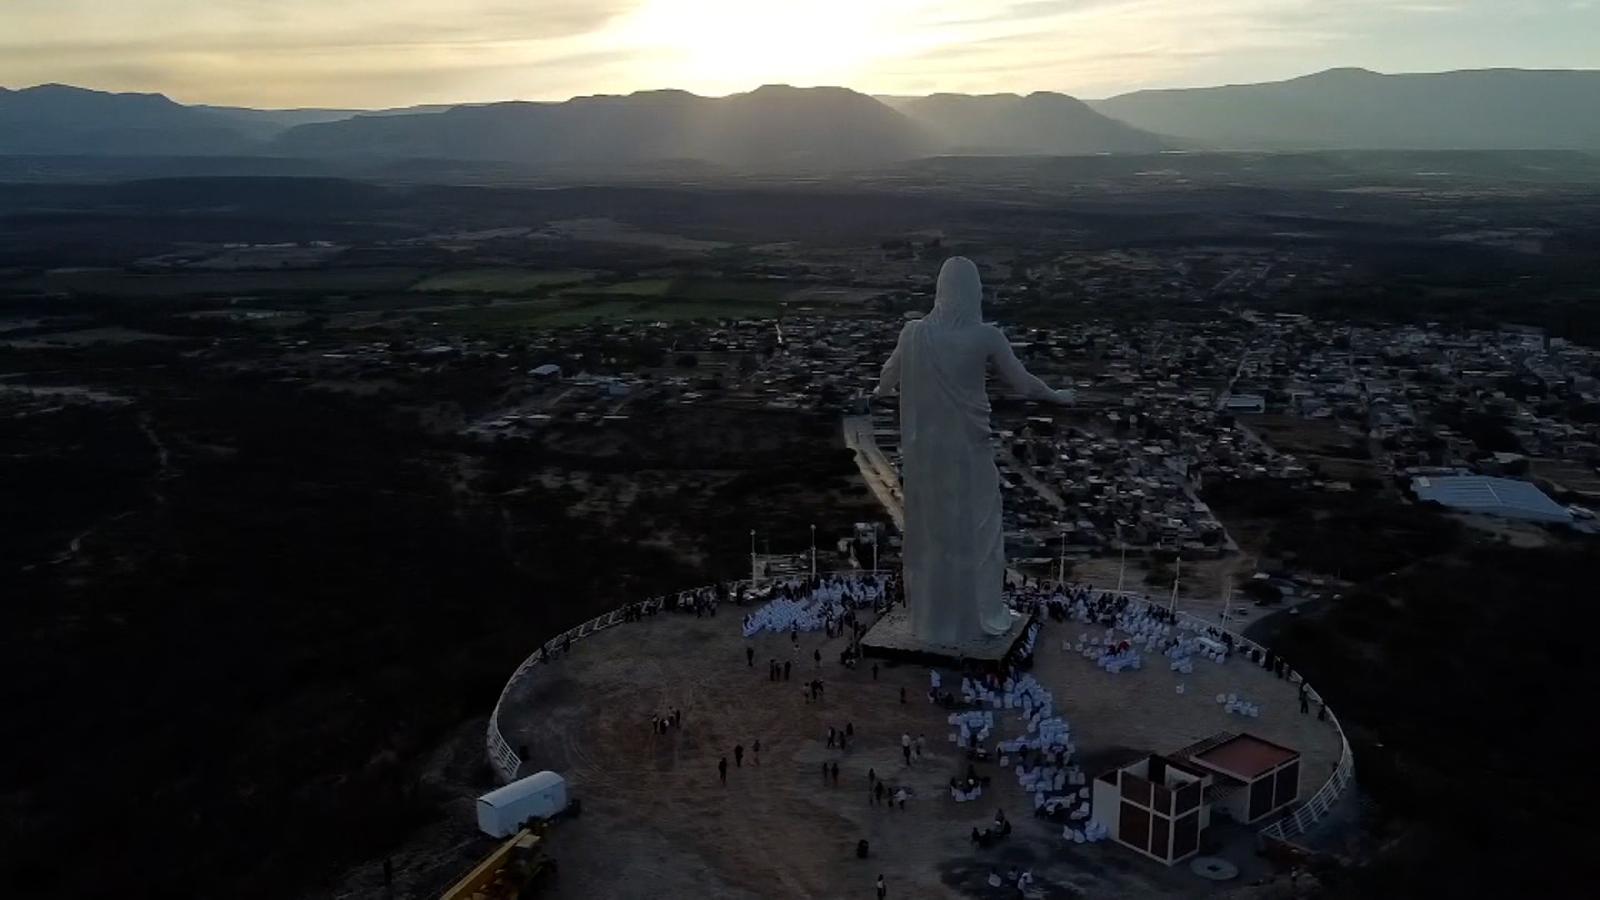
x=894, y=638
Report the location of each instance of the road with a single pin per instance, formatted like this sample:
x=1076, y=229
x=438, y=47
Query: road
x=1026, y=473
x=1244, y=356
x=876, y=469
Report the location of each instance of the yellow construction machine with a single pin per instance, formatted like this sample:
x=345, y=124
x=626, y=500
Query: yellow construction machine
x=517, y=869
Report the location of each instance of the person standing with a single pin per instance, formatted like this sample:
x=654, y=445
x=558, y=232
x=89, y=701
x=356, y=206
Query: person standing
x=905, y=747
x=738, y=755
x=755, y=751
x=1305, y=701
x=786, y=670
x=722, y=770
x=835, y=771
x=883, y=889
x=817, y=655
x=750, y=657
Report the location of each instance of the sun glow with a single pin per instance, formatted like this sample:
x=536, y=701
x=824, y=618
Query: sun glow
x=721, y=46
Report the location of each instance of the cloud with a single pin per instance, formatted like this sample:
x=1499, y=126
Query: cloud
x=299, y=52
x=396, y=52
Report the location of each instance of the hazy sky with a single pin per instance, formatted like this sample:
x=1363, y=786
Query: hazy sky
x=399, y=52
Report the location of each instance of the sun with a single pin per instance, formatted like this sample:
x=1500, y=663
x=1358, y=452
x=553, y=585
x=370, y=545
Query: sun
x=722, y=46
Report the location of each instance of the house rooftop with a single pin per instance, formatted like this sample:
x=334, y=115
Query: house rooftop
x=1246, y=756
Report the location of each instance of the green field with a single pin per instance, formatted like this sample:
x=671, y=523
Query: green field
x=687, y=289
x=639, y=287
x=567, y=311
x=502, y=280
x=641, y=300
x=115, y=283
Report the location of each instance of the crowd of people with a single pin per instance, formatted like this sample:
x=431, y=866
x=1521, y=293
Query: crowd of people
x=661, y=724
x=1019, y=879
x=830, y=604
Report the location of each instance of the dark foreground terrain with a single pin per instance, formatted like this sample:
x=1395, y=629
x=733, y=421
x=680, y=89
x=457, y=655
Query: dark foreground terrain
x=263, y=562
x=238, y=611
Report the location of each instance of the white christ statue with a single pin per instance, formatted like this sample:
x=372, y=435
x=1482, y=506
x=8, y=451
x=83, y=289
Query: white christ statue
x=954, y=548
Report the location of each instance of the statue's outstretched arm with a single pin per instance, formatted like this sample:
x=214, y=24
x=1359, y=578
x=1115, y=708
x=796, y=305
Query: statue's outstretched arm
x=1017, y=375
x=889, y=378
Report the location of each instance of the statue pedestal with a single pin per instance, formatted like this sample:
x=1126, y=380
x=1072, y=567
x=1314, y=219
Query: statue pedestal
x=891, y=638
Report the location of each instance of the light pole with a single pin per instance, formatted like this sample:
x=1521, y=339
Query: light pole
x=874, y=550
x=1122, y=568
x=813, y=553
x=1177, y=572
x=752, y=557
x=1061, y=570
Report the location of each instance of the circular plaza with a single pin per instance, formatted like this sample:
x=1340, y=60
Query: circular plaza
x=1109, y=683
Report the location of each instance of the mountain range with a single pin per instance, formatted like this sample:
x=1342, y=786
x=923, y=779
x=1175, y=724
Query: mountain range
x=1354, y=109
x=780, y=127
x=1039, y=124
x=771, y=126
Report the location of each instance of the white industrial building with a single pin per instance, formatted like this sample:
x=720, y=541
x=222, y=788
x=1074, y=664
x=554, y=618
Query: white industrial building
x=504, y=810
x=1504, y=497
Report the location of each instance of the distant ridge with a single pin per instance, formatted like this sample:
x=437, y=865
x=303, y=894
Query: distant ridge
x=1484, y=109
x=770, y=126
x=1041, y=123
x=59, y=118
x=777, y=127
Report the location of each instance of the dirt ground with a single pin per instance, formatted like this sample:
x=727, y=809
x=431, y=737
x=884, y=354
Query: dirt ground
x=656, y=822
x=1322, y=442
x=1200, y=586
x=1572, y=476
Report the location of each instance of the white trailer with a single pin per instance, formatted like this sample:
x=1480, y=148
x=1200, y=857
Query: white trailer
x=539, y=796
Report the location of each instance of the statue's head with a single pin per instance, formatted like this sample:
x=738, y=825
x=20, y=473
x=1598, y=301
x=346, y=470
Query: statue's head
x=959, y=297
